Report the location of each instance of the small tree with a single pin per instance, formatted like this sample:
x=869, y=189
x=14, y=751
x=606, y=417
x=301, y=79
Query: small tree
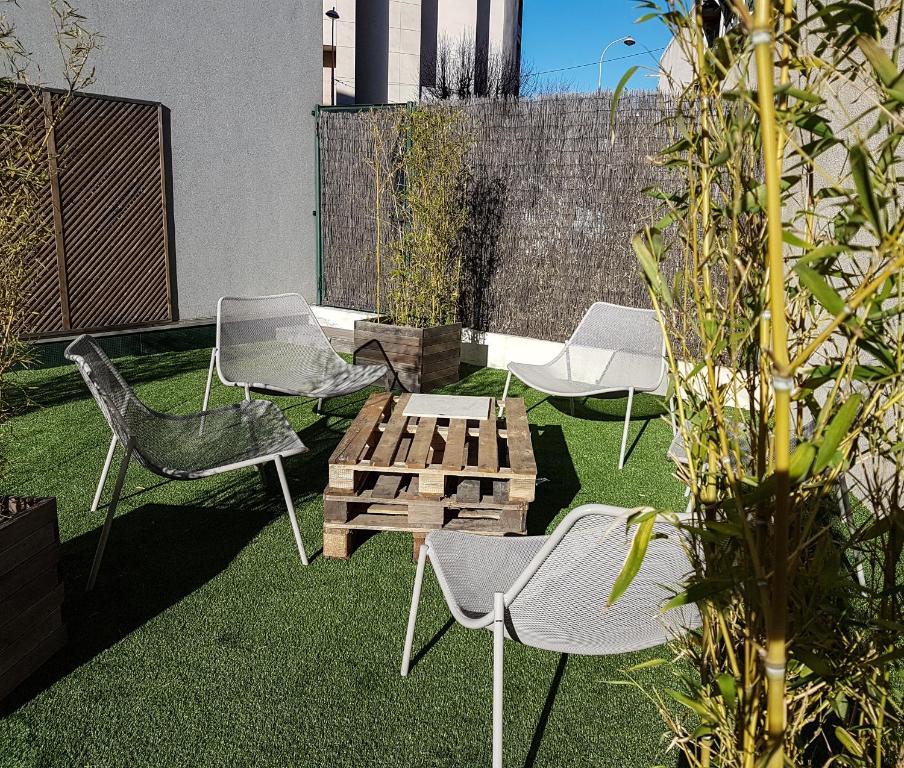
x=462, y=69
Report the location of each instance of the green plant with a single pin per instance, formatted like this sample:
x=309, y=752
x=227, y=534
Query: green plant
x=419, y=165
x=786, y=351
x=25, y=173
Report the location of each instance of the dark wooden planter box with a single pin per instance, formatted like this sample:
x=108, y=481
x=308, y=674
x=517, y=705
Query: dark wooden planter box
x=31, y=593
x=422, y=359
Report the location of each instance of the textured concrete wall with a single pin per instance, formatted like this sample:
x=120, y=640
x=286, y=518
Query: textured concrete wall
x=240, y=80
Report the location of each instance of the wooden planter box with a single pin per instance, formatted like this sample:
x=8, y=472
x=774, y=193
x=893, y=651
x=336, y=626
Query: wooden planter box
x=422, y=359
x=31, y=593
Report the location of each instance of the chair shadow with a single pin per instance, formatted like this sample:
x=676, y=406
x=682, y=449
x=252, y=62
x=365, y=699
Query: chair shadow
x=561, y=483
x=438, y=635
x=610, y=406
x=67, y=385
x=157, y=555
x=542, y=722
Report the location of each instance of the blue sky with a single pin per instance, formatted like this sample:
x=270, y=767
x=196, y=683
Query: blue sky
x=569, y=33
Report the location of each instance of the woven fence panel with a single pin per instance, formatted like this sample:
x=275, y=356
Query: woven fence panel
x=554, y=202
x=114, y=221
x=105, y=262
x=43, y=309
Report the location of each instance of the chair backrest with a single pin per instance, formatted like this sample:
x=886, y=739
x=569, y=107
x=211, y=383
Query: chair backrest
x=257, y=334
x=114, y=396
x=625, y=342
x=560, y=602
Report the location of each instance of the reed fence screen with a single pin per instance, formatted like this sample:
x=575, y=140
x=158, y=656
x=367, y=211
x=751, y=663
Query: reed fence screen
x=554, y=202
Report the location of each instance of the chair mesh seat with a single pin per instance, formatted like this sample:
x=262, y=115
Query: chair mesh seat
x=189, y=447
x=613, y=348
x=562, y=607
x=183, y=447
x=276, y=343
x=475, y=566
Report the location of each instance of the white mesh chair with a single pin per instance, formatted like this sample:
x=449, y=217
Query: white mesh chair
x=181, y=447
x=550, y=592
x=275, y=343
x=613, y=349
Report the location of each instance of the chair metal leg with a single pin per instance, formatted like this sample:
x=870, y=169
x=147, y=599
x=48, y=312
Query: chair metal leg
x=508, y=380
x=412, y=614
x=291, y=508
x=248, y=393
x=213, y=362
x=571, y=405
x=624, y=438
x=319, y=408
x=498, y=638
x=111, y=510
x=103, y=474
x=844, y=499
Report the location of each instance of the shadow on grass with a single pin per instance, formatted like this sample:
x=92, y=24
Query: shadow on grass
x=40, y=389
x=611, y=407
x=558, y=481
x=160, y=553
x=537, y=739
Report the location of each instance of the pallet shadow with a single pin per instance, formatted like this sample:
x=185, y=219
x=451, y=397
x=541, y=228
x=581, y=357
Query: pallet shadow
x=557, y=479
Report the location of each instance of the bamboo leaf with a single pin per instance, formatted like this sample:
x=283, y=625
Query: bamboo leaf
x=651, y=268
x=864, y=184
x=836, y=432
x=821, y=290
x=884, y=67
x=616, y=96
x=801, y=461
x=687, y=701
x=633, y=559
x=697, y=592
x=649, y=664
x=848, y=741
x=728, y=689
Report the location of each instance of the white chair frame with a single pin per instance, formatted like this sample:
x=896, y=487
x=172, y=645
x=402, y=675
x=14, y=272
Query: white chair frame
x=501, y=602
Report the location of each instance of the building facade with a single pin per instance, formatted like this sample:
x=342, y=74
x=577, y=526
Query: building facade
x=380, y=51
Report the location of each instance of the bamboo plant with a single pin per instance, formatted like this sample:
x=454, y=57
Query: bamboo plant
x=24, y=174
x=419, y=166
x=782, y=209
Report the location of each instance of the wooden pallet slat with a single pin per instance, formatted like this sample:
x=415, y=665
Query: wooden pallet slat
x=387, y=486
x=420, y=447
x=454, y=455
x=488, y=446
x=351, y=446
x=521, y=454
x=386, y=447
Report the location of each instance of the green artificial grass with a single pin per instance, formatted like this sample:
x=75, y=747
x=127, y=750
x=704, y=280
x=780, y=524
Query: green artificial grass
x=206, y=642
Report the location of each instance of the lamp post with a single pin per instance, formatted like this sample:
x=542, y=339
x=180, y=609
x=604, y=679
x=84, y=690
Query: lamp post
x=627, y=40
x=332, y=15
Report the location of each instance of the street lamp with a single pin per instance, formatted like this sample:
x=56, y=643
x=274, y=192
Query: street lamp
x=627, y=40
x=332, y=15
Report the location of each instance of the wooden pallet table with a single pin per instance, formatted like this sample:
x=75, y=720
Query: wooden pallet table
x=392, y=472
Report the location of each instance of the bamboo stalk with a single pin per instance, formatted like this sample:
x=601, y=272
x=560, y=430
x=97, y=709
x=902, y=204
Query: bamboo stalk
x=776, y=619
